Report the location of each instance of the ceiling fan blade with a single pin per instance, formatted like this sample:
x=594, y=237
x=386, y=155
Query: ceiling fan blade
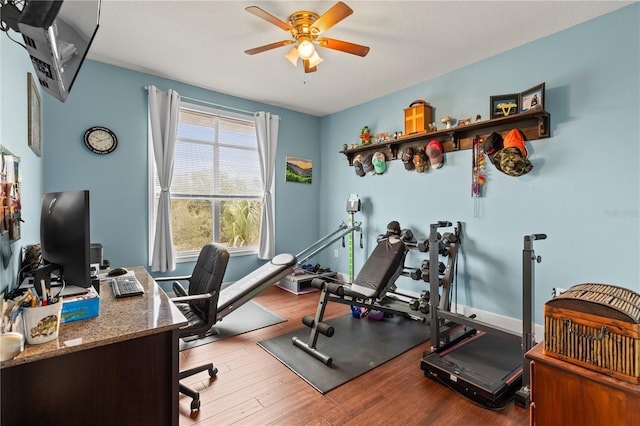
x=337, y=13
x=270, y=46
x=343, y=46
x=261, y=13
x=307, y=68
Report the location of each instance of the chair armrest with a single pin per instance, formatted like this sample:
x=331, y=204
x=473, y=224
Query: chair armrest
x=204, y=296
x=185, y=278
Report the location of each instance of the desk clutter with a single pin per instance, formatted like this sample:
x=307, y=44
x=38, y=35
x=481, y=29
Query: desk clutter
x=36, y=316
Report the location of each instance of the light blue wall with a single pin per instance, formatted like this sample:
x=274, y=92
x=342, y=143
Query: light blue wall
x=116, y=98
x=14, y=66
x=583, y=191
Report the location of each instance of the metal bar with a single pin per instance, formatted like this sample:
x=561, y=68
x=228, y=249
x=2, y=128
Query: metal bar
x=304, y=255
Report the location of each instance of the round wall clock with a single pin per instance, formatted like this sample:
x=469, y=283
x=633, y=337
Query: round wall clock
x=100, y=140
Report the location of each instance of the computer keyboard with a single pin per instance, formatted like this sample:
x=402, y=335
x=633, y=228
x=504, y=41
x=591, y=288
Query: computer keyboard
x=126, y=286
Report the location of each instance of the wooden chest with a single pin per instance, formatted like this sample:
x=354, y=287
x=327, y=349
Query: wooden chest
x=596, y=326
x=417, y=118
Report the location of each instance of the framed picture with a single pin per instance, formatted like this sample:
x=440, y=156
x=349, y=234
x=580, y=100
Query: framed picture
x=504, y=105
x=298, y=170
x=34, y=136
x=532, y=99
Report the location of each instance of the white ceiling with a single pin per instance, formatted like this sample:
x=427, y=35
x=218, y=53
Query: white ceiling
x=203, y=43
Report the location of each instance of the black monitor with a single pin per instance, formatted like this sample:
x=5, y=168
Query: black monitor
x=65, y=236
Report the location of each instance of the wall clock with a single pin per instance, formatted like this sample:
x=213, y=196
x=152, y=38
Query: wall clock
x=100, y=140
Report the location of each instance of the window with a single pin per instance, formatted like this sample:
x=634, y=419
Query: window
x=216, y=190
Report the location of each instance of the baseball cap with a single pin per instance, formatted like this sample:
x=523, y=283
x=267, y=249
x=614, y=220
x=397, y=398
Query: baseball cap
x=379, y=163
x=434, y=151
x=420, y=160
x=512, y=159
x=407, y=158
x=368, y=165
x=492, y=145
x=357, y=164
x=515, y=139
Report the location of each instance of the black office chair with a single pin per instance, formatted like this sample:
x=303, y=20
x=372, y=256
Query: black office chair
x=200, y=304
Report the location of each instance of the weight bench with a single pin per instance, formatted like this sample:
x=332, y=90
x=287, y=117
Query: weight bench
x=375, y=279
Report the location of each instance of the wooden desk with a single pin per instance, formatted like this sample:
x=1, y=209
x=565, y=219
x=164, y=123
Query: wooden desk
x=119, y=368
x=566, y=394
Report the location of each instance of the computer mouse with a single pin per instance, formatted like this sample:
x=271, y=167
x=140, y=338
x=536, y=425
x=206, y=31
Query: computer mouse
x=117, y=271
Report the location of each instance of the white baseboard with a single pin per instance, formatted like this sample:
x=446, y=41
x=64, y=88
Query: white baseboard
x=508, y=323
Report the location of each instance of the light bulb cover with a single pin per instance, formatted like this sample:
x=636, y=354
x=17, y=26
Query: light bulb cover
x=292, y=56
x=315, y=59
x=306, y=49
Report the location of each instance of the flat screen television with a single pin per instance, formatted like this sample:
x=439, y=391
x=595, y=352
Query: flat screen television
x=65, y=236
x=57, y=35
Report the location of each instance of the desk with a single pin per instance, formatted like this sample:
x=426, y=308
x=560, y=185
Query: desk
x=119, y=368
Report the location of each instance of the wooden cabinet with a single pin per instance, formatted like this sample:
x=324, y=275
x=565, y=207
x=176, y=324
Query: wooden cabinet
x=534, y=125
x=566, y=394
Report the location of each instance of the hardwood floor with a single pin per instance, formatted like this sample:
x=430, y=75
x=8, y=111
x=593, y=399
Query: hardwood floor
x=253, y=388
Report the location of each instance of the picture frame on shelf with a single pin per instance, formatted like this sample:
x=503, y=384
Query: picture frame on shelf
x=532, y=98
x=504, y=105
x=34, y=135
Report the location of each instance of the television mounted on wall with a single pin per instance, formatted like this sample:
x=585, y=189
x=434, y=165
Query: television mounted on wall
x=57, y=34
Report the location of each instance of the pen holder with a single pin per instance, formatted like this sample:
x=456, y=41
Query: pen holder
x=41, y=323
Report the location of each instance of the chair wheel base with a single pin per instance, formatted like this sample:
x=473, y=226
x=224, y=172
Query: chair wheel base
x=195, y=404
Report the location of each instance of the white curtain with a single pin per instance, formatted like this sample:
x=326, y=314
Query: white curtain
x=163, y=127
x=267, y=134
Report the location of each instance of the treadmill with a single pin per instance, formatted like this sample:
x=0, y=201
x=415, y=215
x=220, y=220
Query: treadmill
x=484, y=367
x=485, y=363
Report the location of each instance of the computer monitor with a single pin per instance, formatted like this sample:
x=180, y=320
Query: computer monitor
x=65, y=236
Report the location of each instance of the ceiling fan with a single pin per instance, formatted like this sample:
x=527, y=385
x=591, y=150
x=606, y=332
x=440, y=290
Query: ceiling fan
x=305, y=27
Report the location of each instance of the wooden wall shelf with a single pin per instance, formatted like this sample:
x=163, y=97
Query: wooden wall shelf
x=534, y=125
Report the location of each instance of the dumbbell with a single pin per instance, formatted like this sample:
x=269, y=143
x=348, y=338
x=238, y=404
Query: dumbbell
x=449, y=238
x=425, y=275
x=441, y=266
x=407, y=236
x=421, y=301
x=416, y=274
x=423, y=245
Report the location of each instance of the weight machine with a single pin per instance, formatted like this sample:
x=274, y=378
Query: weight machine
x=374, y=288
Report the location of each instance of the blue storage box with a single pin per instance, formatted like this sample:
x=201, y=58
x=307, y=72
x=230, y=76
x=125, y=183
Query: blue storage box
x=80, y=307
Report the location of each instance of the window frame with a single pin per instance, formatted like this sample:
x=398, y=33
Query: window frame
x=152, y=209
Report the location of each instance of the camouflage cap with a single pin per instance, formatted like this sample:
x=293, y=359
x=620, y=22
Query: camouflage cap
x=511, y=162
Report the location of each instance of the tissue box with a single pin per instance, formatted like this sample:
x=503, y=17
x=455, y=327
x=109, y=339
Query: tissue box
x=80, y=307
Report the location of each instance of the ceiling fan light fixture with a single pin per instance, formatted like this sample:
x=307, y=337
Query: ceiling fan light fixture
x=306, y=49
x=292, y=56
x=314, y=60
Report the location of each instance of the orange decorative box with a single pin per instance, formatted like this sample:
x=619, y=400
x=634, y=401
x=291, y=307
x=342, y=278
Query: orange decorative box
x=417, y=117
x=596, y=326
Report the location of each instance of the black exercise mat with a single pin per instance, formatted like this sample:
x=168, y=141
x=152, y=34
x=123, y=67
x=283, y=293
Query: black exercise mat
x=250, y=316
x=358, y=345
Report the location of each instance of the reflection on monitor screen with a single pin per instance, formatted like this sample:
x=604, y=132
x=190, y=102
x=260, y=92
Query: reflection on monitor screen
x=65, y=235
